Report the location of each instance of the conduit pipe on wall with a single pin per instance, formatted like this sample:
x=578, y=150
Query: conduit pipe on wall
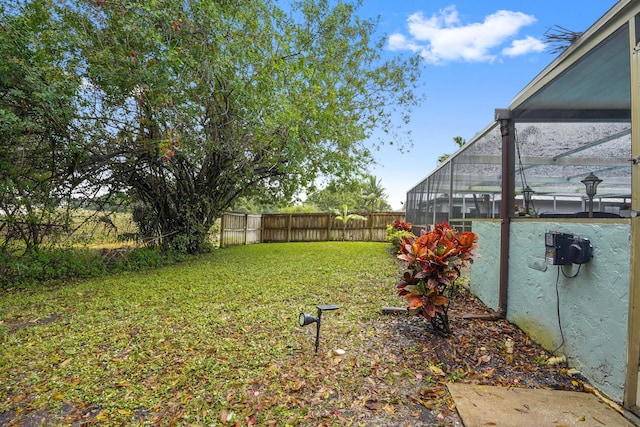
x=506, y=210
x=506, y=204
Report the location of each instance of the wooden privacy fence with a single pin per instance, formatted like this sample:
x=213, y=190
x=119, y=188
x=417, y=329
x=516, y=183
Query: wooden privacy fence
x=244, y=229
x=240, y=229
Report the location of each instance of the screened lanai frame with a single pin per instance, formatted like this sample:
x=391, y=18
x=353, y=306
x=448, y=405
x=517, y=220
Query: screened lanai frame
x=551, y=158
x=584, y=109
x=565, y=127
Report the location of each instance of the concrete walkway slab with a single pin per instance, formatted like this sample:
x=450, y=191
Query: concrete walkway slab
x=481, y=406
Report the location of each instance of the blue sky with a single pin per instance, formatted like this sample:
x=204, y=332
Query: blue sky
x=477, y=56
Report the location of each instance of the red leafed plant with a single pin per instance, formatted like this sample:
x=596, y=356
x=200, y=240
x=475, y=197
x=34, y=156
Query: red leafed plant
x=402, y=226
x=433, y=262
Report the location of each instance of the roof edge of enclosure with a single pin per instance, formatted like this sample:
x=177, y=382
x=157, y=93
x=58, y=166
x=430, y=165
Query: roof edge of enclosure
x=572, y=120
x=594, y=57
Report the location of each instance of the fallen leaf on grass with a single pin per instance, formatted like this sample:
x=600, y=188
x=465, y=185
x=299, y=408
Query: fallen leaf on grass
x=484, y=359
x=226, y=416
x=436, y=371
x=373, y=405
x=556, y=360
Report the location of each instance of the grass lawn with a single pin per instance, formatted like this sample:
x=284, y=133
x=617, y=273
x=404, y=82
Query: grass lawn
x=212, y=341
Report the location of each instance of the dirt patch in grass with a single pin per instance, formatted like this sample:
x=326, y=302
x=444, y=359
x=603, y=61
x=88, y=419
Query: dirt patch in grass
x=14, y=325
x=402, y=380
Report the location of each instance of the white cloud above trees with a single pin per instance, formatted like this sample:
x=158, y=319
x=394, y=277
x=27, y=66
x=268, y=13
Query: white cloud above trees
x=443, y=37
x=524, y=46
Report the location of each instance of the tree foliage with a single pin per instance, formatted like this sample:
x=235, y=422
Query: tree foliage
x=459, y=141
x=345, y=217
x=363, y=193
x=188, y=105
x=38, y=146
x=374, y=194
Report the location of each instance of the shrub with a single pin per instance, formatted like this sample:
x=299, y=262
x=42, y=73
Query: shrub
x=48, y=266
x=141, y=258
x=433, y=262
x=57, y=265
x=402, y=226
x=397, y=232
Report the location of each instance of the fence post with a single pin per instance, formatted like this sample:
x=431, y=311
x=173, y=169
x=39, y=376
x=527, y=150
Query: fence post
x=246, y=227
x=222, y=230
x=261, y=228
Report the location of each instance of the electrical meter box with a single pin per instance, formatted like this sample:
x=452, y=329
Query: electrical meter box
x=558, y=248
x=581, y=250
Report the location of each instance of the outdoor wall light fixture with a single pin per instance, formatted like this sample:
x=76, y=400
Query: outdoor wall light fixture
x=305, y=319
x=527, y=192
x=591, y=183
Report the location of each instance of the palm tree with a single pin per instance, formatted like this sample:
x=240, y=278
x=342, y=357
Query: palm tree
x=373, y=192
x=460, y=141
x=345, y=217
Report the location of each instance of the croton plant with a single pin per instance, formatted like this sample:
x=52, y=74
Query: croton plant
x=433, y=262
x=401, y=226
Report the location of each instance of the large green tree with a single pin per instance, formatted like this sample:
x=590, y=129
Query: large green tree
x=188, y=105
x=201, y=102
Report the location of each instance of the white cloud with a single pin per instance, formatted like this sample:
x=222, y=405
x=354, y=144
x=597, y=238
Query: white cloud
x=444, y=38
x=524, y=46
x=398, y=41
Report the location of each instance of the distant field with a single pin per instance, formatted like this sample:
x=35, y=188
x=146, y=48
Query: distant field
x=112, y=231
x=101, y=230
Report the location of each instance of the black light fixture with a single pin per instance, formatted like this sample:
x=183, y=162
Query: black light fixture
x=591, y=183
x=527, y=192
x=305, y=319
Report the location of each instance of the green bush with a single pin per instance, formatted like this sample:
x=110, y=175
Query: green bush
x=58, y=265
x=48, y=266
x=141, y=258
x=396, y=236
